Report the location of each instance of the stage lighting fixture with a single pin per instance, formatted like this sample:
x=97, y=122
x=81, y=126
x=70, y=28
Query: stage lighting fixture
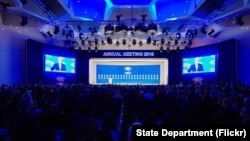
x=178, y=36
x=190, y=42
x=177, y=49
x=83, y=42
x=141, y=28
x=121, y=28
x=24, y=21
x=169, y=42
x=154, y=42
x=211, y=32
x=189, y=34
x=176, y=42
x=96, y=41
x=90, y=42
x=79, y=28
x=149, y=40
x=117, y=43
x=96, y=49
x=152, y=28
x=165, y=30
x=109, y=29
x=50, y=35
x=168, y=49
x=81, y=36
x=109, y=40
x=162, y=41
x=124, y=41
x=203, y=30
x=140, y=43
x=161, y=48
x=134, y=41
x=56, y=30
x=103, y=43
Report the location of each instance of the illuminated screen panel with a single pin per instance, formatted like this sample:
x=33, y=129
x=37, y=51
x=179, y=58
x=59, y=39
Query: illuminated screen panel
x=128, y=71
x=200, y=64
x=59, y=64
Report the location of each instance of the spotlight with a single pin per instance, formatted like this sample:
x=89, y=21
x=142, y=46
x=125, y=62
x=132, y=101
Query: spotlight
x=152, y=28
x=154, y=42
x=169, y=42
x=92, y=30
x=162, y=41
x=81, y=36
x=161, y=48
x=149, y=40
x=141, y=28
x=83, y=42
x=109, y=40
x=178, y=36
x=96, y=41
x=96, y=49
x=176, y=42
x=165, y=30
x=24, y=21
x=203, y=30
x=189, y=34
x=109, y=29
x=117, y=43
x=79, y=28
x=190, y=42
x=103, y=43
x=239, y=21
x=140, y=43
x=90, y=42
x=50, y=35
x=124, y=41
x=168, y=49
x=134, y=42
x=121, y=28
x=177, y=49
x=211, y=32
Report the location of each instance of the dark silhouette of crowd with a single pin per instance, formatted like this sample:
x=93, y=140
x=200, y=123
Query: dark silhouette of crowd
x=80, y=112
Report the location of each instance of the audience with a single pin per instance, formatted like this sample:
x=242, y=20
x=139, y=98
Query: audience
x=91, y=112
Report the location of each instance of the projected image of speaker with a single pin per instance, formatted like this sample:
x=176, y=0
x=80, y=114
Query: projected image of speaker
x=59, y=64
x=199, y=64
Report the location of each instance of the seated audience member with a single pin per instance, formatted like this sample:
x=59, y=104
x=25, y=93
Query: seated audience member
x=118, y=96
x=88, y=130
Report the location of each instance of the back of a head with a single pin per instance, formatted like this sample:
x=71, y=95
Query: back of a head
x=87, y=129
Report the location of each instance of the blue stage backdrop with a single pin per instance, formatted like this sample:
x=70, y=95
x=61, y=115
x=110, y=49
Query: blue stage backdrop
x=127, y=74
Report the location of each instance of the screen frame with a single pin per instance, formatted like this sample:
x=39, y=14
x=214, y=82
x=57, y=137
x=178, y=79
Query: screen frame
x=63, y=72
x=191, y=57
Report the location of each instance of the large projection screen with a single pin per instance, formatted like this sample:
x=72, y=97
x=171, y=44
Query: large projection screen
x=128, y=71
